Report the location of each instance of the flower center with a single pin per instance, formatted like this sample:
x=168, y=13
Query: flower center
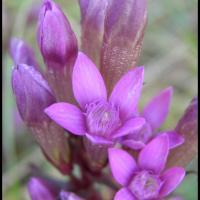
x=102, y=118
x=145, y=186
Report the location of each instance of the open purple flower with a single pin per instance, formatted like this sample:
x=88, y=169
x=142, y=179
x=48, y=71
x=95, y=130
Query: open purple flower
x=100, y=119
x=145, y=180
x=155, y=113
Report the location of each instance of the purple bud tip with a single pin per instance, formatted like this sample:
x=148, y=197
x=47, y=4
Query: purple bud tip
x=32, y=93
x=47, y=5
x=39, y=189
x=55, y=37
x=21, y=53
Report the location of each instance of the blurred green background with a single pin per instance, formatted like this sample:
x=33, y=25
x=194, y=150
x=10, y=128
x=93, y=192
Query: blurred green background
x=170, y=58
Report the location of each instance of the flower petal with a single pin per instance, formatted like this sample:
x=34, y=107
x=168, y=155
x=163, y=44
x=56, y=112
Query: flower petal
x=175, y=139
x=88, y=84
x=127, y=91
x=98, y=139
x=172, y=178
x=68, y=116
x=130, y=126
x=135, y=145
x=154, y=155
x=122, y=165
x=157, y=109
x=124, y=194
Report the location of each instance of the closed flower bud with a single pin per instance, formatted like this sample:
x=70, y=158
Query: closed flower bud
x=56, y=39
x=186, y=127
x=92, y=27
x=58, y=46
x=33, y=95
x=21, y=53
x=125, y=22
x=40, y=189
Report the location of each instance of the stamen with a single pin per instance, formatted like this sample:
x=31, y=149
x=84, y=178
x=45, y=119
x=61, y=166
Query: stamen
x=145, y=186
x=102, y=118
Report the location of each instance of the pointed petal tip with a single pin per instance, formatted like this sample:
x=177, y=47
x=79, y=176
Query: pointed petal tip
x=88, y=84
x=172, y=178
x=122, y=165
x=157, y=150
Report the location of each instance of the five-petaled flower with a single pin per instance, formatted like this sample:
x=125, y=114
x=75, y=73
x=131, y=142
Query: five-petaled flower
x=145, y=180
x=155, y=113
x=100, y=119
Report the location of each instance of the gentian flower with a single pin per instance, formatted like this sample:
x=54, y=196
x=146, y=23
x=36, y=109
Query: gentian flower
x=33, y=95
x=99, y=119
x=145, y=180
x=155, y=113
x=58, y=46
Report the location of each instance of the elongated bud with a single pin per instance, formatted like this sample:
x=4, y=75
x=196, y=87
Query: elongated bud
x=33, y=95
x=58, y=46
x=56, y=39
x=125, y=22
x=21, y=53
x=92, y=27
x=40, y=189
x=68, y=196
x=187, y=127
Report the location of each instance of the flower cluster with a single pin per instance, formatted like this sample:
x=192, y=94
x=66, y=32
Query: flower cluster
x=85, y=104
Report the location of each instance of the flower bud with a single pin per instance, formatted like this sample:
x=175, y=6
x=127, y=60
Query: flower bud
x=33, y=95
x=125, y=22
x=186, y=127
x=40, y=189
x=21, y=53
x=92, y=27
x=58, y=46
x=56, y=39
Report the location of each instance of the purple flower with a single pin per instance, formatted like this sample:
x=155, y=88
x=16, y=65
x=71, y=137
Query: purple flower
x=155, y=113
x=100, y=119
x=41, y=189
x=55, y=37
x=145, y=180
